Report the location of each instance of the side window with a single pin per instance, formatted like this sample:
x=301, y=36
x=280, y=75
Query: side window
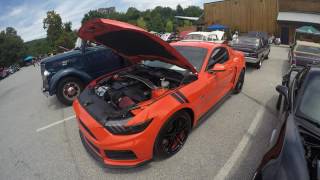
x=219, y=55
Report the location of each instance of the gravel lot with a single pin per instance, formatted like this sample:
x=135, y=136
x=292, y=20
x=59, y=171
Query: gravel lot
x=228, y=144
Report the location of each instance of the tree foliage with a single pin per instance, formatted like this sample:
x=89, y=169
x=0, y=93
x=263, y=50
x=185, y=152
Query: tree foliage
x=53, y=25
x=142, y=23
x=12, y=48
x=169, y=26
x=59, y=35
x=159, y=19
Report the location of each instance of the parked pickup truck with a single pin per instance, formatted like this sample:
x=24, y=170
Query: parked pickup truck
x=304, y=53
x=65, y=75
x=255, y=48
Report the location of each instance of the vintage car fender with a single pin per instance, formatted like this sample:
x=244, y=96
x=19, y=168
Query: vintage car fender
x=86, y=78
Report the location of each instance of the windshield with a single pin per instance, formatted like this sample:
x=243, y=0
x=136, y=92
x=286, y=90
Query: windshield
x=194, y=55
x=194, y=37
x=308, y=49
x=309, y=107
x=212, y=37
x=245, y=41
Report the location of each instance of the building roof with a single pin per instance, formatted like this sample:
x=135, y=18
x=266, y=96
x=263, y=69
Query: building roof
x=214, y=1
x=188, y=18
x=299, y=17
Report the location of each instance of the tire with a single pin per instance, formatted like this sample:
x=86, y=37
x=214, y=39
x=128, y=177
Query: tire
x=240, y=82
x=259, y=64
x=267, y=56
x=171, y=137
x=64, y=95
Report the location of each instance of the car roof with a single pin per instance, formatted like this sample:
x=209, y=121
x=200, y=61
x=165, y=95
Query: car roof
x=201, y=44
x=200, y=32
x=72, y=53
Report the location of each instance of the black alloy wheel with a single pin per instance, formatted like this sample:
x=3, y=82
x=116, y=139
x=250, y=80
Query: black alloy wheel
x=239, y=85
x=172, y=135
x=69, y=89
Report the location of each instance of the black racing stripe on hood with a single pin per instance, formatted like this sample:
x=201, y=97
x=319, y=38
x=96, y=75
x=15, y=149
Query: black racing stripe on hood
x=182, y=96
x=132, y=43
x=178, y=98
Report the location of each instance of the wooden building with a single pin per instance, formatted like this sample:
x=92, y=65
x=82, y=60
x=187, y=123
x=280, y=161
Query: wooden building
x=279, y=17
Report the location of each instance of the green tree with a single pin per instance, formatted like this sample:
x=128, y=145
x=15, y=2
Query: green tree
x=187, y=23
x=53, y=24
x=66, y=40
x=132, y=14
x=12, y=47
x=38, y=47
x=67, y=26
x=179, y=10
x=193, y=11
x=92, y=15
x=169, y=26
x=153, y=19
x=141, y=23
x=156, y=23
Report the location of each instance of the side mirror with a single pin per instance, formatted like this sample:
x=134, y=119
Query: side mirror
x=217, y=68
x=284, y=91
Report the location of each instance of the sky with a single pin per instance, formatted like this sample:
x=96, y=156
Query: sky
x=26, y=16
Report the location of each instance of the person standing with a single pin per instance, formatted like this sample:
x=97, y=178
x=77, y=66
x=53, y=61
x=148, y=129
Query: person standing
x=235, y=35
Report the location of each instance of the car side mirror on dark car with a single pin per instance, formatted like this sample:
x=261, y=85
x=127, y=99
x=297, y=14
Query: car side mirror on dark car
x=217, y=68
x=283, y=91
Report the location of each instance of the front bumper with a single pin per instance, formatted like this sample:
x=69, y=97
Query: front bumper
x=251, y=60
x=98, y=141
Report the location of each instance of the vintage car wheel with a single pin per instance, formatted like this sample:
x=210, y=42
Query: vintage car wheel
x=172, y=135
x=69, y=89
x=240, y=83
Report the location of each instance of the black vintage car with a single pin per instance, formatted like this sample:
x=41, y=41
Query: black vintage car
x=255, y=48
x=296, y=152
x=303, y=53
x=68, y=73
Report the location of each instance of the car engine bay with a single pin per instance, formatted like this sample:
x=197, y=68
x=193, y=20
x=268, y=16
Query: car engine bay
x=113, y=97
x=126, y=89
x=311, y=144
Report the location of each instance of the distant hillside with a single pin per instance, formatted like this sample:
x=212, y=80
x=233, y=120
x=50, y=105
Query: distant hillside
x=37, y=47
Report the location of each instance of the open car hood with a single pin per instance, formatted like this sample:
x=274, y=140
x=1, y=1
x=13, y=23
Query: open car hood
x=132, y=42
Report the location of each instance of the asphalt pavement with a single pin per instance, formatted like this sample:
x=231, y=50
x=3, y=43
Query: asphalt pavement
x=39, y=137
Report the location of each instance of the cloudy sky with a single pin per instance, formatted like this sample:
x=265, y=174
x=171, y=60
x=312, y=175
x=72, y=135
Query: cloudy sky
x=26, y=15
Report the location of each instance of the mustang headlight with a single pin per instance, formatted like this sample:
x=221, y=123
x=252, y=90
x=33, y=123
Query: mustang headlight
x=119, y=129
x=46, y=73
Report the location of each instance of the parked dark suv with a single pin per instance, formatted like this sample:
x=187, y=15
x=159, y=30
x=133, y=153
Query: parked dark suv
x=255, y=47
x=68, y=73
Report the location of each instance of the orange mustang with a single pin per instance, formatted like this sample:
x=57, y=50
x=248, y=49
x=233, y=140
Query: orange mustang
x=147, y=109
